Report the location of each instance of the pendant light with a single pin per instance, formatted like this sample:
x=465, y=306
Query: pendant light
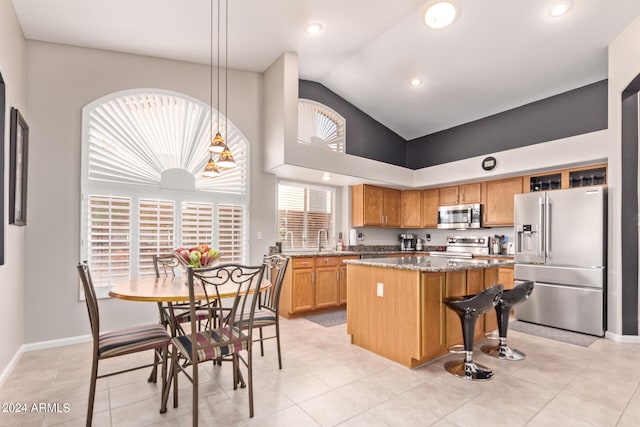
x=218, y=145
x=226, y=160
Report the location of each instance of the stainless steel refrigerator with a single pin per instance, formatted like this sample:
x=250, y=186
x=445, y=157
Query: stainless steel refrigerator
x=561, y=246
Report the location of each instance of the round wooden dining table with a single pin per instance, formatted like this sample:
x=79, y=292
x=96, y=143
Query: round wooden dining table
x=170, y=289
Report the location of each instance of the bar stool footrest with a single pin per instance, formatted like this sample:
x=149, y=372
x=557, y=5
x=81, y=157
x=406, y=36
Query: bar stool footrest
x=457, y=349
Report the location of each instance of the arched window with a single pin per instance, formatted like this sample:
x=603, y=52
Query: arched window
x=320, y=126
x=142, y=192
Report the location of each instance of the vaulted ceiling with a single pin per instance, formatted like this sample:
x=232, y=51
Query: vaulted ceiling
x=497, y=55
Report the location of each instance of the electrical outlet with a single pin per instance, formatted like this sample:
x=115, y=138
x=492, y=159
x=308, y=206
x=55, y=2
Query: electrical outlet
x=428, y=237
x=380, y=290
x=259, y=235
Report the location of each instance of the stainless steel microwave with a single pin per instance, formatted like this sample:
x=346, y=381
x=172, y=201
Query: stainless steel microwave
x=460, y=217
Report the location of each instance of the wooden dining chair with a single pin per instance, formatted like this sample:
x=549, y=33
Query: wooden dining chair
x=222, y=339
x=268, y=310
x=120, y=342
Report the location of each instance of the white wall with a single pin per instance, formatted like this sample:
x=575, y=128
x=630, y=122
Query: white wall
x=12, y=68
x=61, y=80
x=624, y=66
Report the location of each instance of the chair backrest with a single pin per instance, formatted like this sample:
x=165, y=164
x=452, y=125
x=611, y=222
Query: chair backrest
x=234, y=284
x=275, y=269
x=90, y=299
x=167, y=263
x=518, y=294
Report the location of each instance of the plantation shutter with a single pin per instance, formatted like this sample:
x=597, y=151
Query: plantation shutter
x=108, y=244
x=304, y=211
x=156, y=223
x=231, y=232
x=197, y=224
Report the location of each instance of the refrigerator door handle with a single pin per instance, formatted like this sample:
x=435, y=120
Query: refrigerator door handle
x=547, y=228
x=541, y=224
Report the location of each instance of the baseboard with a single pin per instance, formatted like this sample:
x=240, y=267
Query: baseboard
x=627, y=339
x=12, y=364
x=56, y=343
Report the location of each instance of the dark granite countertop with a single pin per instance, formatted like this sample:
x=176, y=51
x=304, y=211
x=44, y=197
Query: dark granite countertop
x=431, y=264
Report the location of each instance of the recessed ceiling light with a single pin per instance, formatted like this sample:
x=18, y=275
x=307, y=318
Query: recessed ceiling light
x=560, y=8
x=440, y=14
x=415, y=82
x=314, y=28
x=326, y=176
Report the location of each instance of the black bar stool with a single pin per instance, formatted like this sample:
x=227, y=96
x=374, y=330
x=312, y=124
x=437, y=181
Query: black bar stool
x=469, y=308
x=509, y=298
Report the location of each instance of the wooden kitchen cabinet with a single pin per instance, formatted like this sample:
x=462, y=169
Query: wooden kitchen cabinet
x=327, y=281
x=342, y=286
x=498, y=201
x=456, y=285
x=433, y=334
x=314, y=283
x=302, y=285
x=461, y=194
x=373, y=206
x=430, y=204
x=582, y=176
x=491, y=277
x=411, y=208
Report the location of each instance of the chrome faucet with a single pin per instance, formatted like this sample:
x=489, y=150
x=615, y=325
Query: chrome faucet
x=325, y=238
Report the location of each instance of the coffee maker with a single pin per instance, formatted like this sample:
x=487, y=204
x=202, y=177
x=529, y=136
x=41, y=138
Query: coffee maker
x=407, y=242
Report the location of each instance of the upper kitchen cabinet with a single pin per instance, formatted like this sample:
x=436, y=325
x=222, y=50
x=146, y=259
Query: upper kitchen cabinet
x=373, y=206
x=430, y=204
x=411, y=208
x=497, y=200
x=583, y=176
x=461, y=194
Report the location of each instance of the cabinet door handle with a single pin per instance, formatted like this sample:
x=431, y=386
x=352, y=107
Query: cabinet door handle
x=313, y=277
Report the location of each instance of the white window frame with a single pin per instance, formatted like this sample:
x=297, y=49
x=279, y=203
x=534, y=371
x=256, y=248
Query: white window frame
x=138, y=191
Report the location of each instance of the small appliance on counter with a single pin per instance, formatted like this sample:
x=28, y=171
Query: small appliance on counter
x=407, y=242
x=419, y=244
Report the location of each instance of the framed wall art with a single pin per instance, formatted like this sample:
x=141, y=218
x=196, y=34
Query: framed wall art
x=19, y=140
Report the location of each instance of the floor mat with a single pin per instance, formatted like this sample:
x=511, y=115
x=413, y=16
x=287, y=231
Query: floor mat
x=552, y=333
x=333, y=318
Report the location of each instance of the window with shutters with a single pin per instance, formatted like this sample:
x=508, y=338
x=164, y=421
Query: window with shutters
x=156, y=231
x=108, y=245
x=197, y=223
x=232, y=232
x=306, y=213
x=320, y=126
x=143, y=151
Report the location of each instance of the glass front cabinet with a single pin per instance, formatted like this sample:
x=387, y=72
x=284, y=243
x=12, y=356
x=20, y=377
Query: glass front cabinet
x=567, y=178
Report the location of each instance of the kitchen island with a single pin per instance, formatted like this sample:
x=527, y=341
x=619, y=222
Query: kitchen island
x=395, y=305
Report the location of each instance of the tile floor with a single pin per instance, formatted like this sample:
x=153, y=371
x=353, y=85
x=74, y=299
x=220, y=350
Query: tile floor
x=326, y=381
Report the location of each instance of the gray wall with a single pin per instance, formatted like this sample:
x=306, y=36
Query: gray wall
x=13, y=70
x=61, y=80
x=570, y=113
x=575, y=112
x=366, y=137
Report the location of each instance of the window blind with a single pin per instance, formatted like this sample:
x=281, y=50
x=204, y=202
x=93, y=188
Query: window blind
x=303, y=212
x=108, y=243
x=155, y=232
x=231, y=232
x=197, y=224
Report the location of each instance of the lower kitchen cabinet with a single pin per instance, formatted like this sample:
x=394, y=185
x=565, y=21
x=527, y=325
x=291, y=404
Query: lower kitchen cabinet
x=327, y=281
x=433, y=334
x=302, y=278
x=342, y=288
x=313, y=283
